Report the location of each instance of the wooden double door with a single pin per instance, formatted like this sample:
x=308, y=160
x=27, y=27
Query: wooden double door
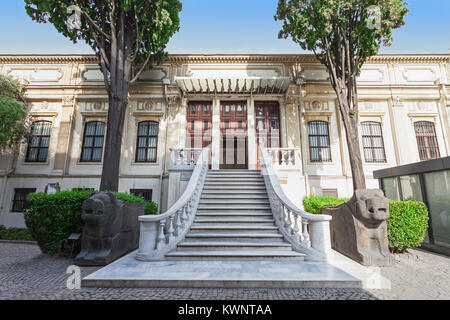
x=199, y=126
x=268, y=133
x=233, y=130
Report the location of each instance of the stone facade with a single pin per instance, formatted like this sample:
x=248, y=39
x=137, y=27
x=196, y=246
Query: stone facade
x=395, y=91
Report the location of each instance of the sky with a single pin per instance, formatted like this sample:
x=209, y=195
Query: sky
x=227, y=27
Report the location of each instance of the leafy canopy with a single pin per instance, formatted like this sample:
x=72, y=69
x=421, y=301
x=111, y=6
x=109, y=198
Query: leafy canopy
x=144, y=26
x=325, y=26
x=13, y=113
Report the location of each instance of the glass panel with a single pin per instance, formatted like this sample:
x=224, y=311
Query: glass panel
x=142, y=142
x=100, y=129
x=438, y=193
x=86, y=156
x=152, y=142
x=42, y=154
x=32, y=154
x=88, y=141
x=153, y=129
x=206, y=109
x=239, y=124
x=260, y=110
x=143, y=129
x=45, y=142
x=97, y=155
x=390, y=186
x=411, y=188
x=90, y=129
x=98, y=142
x=239, y=109
x=193, y=109
x=141, y=154
x=34, y=142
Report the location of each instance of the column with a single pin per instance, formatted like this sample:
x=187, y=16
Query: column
x=63, y=135
x=215, y=146
x=251, y=133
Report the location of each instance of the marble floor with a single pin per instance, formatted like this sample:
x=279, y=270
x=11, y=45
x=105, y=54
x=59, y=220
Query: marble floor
x=129, y=272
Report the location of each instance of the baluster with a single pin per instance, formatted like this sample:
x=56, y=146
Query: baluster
x=285, y=218
x=289, y=222
x=170, y=229
x=285, y=156
x=292, y=157
x=161, y=238
x=277, y=158
x=177, y=223
x=192, y=158
x=306, y=241
x=182, y=217
x=296, y=229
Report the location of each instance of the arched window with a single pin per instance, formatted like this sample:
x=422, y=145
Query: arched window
x=94, y=135
x=319, y=141
x=147, y=141
x=39, y=141
x=426, y=140
x=373, y=143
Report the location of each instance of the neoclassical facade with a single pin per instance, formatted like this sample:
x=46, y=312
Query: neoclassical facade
x=232, y=104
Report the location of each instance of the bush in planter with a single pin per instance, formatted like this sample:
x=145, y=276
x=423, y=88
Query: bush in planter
x=407, y=224
x=51, y=218
x=315, y=204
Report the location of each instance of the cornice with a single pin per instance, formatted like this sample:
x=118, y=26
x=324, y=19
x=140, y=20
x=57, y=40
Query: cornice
x=222, y=58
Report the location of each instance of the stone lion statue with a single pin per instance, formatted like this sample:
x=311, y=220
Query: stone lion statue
x=359, y=229
x=111, y=229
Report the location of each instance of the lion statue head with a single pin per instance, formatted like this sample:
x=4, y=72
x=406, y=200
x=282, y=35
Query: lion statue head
x=371, y=206
x=100, y=210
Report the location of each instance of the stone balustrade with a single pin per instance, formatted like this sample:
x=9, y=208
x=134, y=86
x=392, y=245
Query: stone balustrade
x=285, y=158
x=308, y=233
x=183, y=159
x=160, y=234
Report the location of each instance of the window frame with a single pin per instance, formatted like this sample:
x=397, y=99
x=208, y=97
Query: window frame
x=425, y=136
x=146, y=148
x=24, y=202
x=137, y=192
x=319, y=147
x=40, y=136
x=371, y=147
x=83, y=146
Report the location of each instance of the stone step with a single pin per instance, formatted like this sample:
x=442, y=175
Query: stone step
x=262, y=195
x=225, y=229
x=228, y=219
x=240, y=184
x=235, y=237
x=241, y=214
x=235, y=187
x=234, y=191
x=235, y=201
x=234, y=208
x=229, y=245
x=233, y=177
x=238, y=172
x=235, y=254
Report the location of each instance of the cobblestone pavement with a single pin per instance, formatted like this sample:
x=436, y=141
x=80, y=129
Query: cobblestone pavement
x=26, y=273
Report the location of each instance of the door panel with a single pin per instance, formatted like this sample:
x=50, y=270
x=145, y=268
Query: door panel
x=233, y=129
x=268, y=133
x=199, y=126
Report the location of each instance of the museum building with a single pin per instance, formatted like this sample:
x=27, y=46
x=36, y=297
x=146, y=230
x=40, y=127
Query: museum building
x=232, y=104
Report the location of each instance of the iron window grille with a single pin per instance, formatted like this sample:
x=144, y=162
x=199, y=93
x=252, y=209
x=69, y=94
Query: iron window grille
x=373, y=142
x=94, y=135
x=319, y=141
x=143, y=193
x=147, y=141
x=39, y=142
x=426, y=140
x=20, y=199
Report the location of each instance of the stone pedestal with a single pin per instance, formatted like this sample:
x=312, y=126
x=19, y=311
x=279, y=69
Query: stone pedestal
x=111, y=229
x=359, y=230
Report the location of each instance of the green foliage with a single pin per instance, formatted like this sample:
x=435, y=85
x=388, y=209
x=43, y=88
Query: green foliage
x=13, y=114
x=51, y=218
x=407, y=224
x=324, y=26
x=315, y=204
x=15, y=234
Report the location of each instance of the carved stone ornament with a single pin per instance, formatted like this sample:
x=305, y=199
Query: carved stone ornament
x=111, y=229
x=98, y=106
x=359, y=229
x=316, y=105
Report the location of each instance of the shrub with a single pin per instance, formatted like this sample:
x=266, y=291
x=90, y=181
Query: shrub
x=315, y=204
x=407, y=224
x=15, y=234
x=51, y=218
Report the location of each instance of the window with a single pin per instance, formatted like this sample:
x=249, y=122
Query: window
x=373, y=143
x=147, y=141
x=144, y=193
x=426, y=140
x=319, y=141
x=39, y=142
x=92, y=150
x=20, y=197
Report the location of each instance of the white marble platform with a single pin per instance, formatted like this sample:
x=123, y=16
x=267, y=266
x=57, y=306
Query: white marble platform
x=128, y=272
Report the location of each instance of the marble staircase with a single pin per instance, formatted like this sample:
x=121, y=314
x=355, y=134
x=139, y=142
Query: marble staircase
x=234, y=221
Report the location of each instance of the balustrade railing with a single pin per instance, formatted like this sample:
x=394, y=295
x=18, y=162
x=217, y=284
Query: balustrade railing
x=285, y=158
x=183, y=159
x=308, y=233
x=161, y=233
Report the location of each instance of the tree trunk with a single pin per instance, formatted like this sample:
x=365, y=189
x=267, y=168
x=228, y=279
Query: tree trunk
x=354, y=153
x=118, y=104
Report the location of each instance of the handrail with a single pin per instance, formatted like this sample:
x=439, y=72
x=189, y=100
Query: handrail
x=308, y=233
x=161, y=233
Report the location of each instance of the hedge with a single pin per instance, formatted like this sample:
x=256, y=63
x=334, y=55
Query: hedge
x=15, y=234
x=51, y=218
x=407, y=223
x=316, y=204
